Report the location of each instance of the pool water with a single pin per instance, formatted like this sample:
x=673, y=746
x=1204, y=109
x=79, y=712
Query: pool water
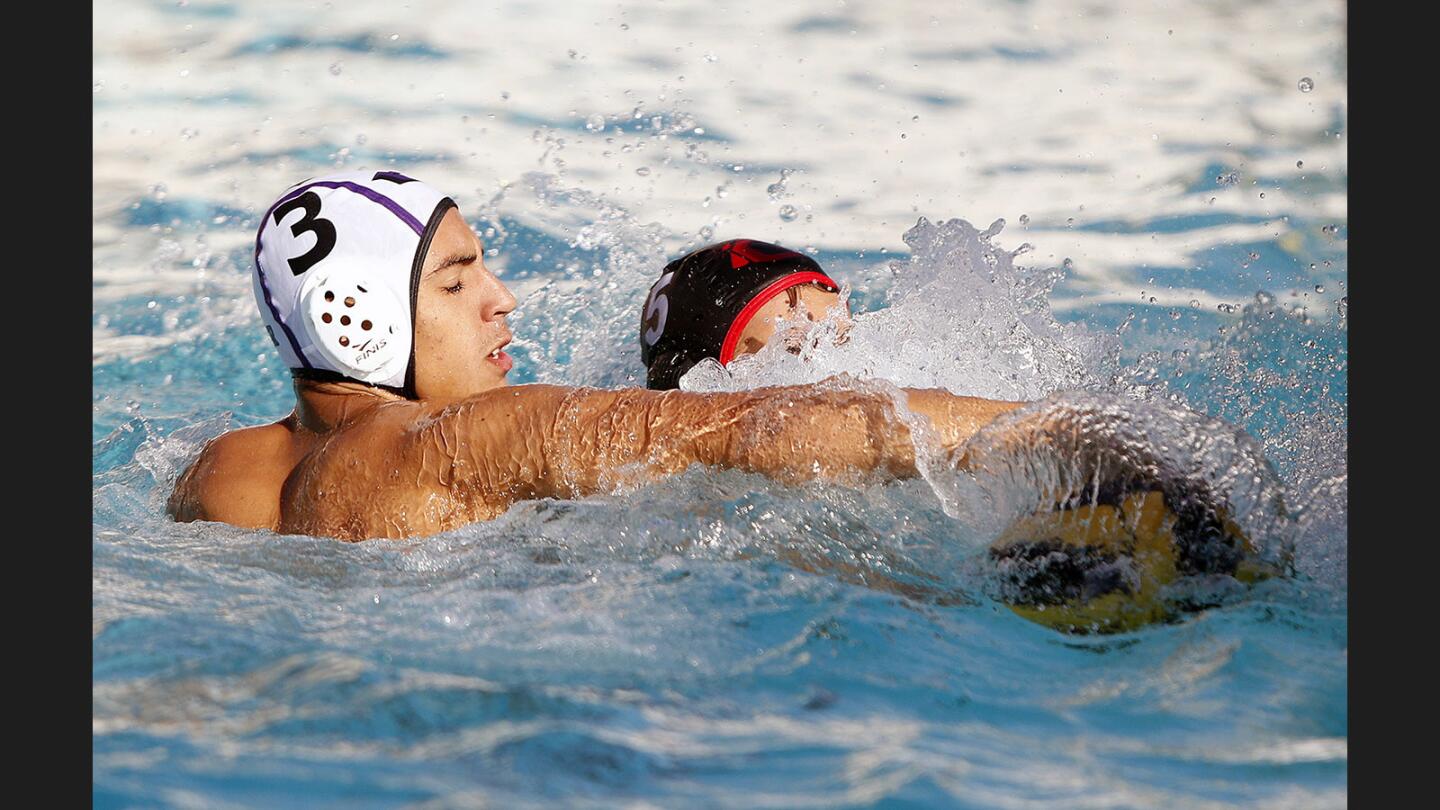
x=1179, y=176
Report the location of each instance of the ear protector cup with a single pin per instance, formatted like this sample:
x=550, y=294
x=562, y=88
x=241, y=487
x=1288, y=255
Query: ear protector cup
x=356, y=323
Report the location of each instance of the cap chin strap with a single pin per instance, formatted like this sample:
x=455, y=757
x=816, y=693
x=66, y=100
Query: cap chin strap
x=737, y=327
x=325, y=375
x=416, y=266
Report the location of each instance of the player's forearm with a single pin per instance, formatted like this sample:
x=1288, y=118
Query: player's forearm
x=603, y=439
x=955, y=419
x=800, y=433
x=600, y=439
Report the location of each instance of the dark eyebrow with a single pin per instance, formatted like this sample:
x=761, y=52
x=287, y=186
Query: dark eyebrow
x=459, y=258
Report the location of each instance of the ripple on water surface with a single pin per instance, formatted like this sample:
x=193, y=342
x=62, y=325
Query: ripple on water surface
x=674, y=644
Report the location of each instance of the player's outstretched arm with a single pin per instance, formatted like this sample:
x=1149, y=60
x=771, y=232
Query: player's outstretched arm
x=554, y=441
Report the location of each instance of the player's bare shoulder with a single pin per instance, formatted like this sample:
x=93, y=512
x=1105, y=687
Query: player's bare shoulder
x=237, y=478
x=408, y=468
x=347, y=476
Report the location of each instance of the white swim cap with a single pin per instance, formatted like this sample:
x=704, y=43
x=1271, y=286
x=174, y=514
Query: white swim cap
x=337, y=261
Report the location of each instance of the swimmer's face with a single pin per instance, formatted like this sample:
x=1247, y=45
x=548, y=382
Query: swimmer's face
x=460, y=329
x=817, y=302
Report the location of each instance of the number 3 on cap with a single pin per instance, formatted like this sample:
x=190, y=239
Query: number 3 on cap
x=323, y=229
x=658, y=304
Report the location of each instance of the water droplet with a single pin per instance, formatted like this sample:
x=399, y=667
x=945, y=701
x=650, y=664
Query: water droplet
x=1024, y=219
x=914, y=118
x=1306, y=84
x=776, y=190
x=643, y=171
x=595, y=123
x=1262, y=195
x=624, y=26
x=1069, y=221
x=394, y=37
x=1331, y=230
x=1299, y=164
x=1228, y=179
x=789, y=213
x=1319, y=288
x=572, y=52
x=1194, y=303
x=504, y=95
x=188, y=133
x=710, y=57
x=97, y=87
x=707, y=233
x=336, y=68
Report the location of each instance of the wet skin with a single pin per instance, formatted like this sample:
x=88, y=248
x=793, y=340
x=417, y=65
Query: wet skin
x=816, y=302
x=1095, y=562
x=356, y=462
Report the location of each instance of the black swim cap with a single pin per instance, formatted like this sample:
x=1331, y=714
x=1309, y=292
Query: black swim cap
x=702, y=302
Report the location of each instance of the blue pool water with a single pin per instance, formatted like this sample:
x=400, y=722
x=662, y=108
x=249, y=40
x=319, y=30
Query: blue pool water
x=660, y=647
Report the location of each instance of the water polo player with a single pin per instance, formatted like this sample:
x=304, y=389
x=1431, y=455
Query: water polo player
x=724, y=301
x=376, y=295
x=1097, y=562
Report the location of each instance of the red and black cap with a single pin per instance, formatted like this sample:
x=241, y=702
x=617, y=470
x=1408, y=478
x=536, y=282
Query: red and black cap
x=702, y=302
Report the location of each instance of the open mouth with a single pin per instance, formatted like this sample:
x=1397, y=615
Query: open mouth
x=500, y=358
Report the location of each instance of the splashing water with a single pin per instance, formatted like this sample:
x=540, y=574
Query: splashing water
x=578, y=326
x=717, y=639
x=1280, y=375
x=780, y=579
x=961, y=315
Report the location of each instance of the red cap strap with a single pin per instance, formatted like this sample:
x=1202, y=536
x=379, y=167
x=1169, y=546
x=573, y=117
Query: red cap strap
x=732, y=337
